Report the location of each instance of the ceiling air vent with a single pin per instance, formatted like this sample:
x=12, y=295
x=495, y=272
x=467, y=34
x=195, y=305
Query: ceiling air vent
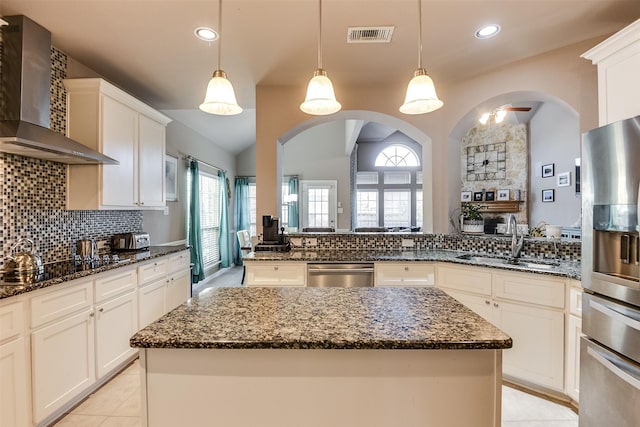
x=369, y=34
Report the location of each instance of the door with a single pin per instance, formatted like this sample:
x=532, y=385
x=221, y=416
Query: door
x=479, y=304
x=119, y=141
x=152, y=302
x=178, y=289
x=116, y=322
x=151, y=162
x=319, y=205
x=13, y=387
x=63, y=362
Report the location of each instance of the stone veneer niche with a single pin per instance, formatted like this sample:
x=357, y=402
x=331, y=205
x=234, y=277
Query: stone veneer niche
x=33, y=195
x=506, y=148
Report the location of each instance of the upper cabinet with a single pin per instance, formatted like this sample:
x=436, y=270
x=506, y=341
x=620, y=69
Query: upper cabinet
x=618, y=61
x=113, y=122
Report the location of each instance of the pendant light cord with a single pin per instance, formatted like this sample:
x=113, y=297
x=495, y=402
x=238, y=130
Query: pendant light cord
x=320, y=35
x=419, y=33
x=219, y=31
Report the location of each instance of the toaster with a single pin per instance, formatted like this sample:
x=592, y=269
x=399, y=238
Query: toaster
x=130, y=241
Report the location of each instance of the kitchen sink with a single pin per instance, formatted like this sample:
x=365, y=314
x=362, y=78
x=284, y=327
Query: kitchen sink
x=534, y=265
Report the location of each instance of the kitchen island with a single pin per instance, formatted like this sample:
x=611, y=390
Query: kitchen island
x=321, y=357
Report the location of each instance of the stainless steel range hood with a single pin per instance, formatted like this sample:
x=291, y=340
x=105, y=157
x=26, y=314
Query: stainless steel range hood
x=25, y=84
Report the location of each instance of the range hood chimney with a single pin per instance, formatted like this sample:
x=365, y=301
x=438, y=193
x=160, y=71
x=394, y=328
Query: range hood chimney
x=25, y=84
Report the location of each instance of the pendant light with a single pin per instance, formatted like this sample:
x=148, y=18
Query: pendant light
x=320, y=99
x=220, y=98
x=421, y=93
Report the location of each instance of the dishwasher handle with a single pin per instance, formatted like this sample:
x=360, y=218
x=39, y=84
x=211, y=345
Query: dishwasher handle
x=340, y=270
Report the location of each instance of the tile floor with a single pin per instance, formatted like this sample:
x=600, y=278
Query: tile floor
x=117, y=404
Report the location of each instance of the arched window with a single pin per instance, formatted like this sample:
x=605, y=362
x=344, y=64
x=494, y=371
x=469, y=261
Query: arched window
x=397, y=156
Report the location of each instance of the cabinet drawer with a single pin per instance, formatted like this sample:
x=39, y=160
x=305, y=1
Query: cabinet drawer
x=529, y=288
x=575, y=301
x=60, y=302
x=11, y=321
x=290, y=274
x=113, y=284
x=152, y=271
x=179, y=262
x=410, y=274
x=469, y=279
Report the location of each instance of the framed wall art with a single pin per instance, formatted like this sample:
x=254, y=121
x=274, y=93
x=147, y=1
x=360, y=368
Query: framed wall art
x=548, y=195
x=170, y=178
x=477, y=196
x=548, y=170
x=489, y=196
x=503, y=195
x=465, y=196
x=564, y=179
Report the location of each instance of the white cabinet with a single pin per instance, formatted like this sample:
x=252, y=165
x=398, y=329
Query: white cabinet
x=528, y=307
x=62, y=351
x=109, y=120
x=404, y=274
x=574, y=333
x=618, y=61
x=164, y=284
x=116, y=319
x=14, y=410
x=275, y=274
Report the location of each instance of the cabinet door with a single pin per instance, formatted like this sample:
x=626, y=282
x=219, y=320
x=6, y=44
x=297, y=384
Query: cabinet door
x=151, y=302
x=119, y=141
x=538, y=343
x=411, y=274
x=479, y=304
x=116, y=322
x=468, y=279
x=62, y=362
x=13, y=386
x=574, y=333
x=266, y=274
x=151, y=162
x=178, y=289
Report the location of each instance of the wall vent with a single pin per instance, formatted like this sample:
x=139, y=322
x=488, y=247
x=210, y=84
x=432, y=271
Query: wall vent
x=370, y=34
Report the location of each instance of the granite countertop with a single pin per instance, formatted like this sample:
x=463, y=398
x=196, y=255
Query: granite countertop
x=322, y=318
x=562, y=268
x=8, y=289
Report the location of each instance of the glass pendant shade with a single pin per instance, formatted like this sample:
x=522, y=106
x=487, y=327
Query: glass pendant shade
x=320, y=99
x=421, y=95
x=220, y=98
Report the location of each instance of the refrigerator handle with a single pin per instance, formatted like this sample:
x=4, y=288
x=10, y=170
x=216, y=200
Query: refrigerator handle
x=625, y=249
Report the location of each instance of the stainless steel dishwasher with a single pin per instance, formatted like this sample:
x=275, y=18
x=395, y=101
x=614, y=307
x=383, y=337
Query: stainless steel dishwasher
x=339, y=275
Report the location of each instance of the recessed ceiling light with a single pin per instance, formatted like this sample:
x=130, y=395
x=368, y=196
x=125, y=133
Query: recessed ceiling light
x=205, y=33
x=487, y=31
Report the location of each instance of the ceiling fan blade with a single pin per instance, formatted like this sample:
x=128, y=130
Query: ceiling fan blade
x=517, y=108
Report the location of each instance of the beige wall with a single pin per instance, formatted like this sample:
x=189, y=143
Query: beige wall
x=559, y=74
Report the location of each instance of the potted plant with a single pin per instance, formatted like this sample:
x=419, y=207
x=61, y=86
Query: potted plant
x=471, y=219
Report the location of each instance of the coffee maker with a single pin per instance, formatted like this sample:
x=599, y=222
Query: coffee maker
x=270, y=230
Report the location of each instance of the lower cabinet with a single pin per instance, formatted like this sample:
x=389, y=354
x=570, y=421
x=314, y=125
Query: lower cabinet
x=62, y=362
x=275, y=274
x=116, y=322
x=574, y=333
x=404, y=274
x=151, y=302
x=14, y=410
x=178, y=289
x=526, y=306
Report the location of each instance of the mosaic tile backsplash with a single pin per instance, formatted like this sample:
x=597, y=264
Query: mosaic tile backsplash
x=33, y=195
x=568, y=250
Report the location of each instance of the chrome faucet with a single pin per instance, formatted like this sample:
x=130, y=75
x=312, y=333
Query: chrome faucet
x=516, y=245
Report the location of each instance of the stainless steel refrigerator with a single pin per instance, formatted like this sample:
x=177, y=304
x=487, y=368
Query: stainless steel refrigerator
x=610, y=351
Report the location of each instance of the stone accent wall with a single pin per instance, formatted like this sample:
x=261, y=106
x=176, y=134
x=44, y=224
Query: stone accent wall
x=506, y=149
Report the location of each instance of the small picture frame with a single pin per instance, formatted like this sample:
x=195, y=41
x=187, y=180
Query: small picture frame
x=477, y=196
x=170, y=178
x=564, y=179
x=548, y=195
x=548, y=170
x=489, y=196
x=503, y=195
x=465, y=196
